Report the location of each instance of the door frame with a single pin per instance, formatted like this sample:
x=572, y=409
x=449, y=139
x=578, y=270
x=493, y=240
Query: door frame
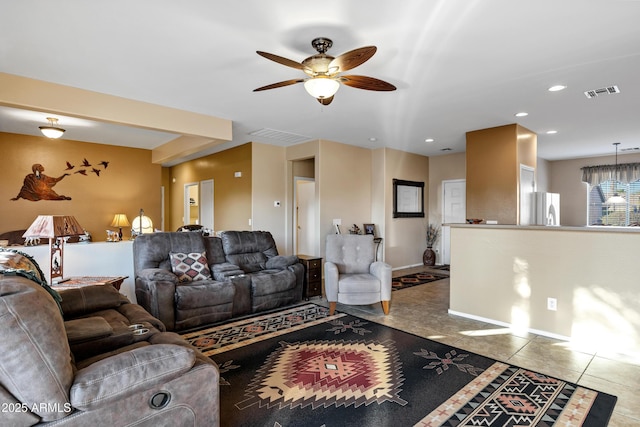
x=296, y=179
x=445, y=239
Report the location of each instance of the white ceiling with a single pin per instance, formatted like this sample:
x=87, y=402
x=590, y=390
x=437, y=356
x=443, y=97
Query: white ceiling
x=459, y=65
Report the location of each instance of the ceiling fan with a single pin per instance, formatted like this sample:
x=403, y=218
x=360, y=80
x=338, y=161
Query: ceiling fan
x=324, y=70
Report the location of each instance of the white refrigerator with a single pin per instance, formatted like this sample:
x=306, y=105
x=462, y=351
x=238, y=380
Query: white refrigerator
x=546, y=208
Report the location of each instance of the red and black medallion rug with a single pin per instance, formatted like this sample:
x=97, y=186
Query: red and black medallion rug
x=302, y=367
x=403, y=282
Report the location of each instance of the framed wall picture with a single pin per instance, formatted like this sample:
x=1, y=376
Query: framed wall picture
x=408, y=199
x=369, y=229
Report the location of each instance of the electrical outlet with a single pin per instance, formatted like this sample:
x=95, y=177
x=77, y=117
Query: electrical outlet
x=552, y=304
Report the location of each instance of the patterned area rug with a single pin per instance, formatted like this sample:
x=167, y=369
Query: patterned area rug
x=301, y=366
x=416, y=279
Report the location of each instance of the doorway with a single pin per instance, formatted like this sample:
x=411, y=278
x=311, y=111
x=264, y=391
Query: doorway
x=198, y=203
x=304, y=217
x=454, y=211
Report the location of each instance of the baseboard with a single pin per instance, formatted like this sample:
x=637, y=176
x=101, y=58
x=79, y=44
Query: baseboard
x=509, y=325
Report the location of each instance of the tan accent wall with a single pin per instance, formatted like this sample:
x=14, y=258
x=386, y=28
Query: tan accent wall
x=404, y=239
x=493, y=171
x=344, y=185
x=129, y=182
x=269, y=186
x=232, y=196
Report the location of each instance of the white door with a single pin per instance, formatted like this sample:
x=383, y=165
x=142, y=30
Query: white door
x=454, y=211
x=206, y=204
x=304, y=217
x=527, y=188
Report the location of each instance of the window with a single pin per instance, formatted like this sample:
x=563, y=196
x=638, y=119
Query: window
x=614, y=214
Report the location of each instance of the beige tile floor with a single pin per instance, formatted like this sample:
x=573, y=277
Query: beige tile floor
x=422, y=310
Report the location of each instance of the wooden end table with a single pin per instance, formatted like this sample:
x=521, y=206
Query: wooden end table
x=82, y=281
x=312, y=275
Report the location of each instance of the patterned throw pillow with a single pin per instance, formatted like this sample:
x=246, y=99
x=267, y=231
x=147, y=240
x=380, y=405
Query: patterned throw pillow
x=190, y=267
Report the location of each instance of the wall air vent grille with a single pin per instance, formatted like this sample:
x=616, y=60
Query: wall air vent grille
x=278, y=135
x=609, y=90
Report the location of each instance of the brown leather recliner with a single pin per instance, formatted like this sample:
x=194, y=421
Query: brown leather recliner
x=118, y=378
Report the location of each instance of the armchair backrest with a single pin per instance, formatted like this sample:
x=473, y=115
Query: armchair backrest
x=351, y=253
x=249, y=250
x=152, y=250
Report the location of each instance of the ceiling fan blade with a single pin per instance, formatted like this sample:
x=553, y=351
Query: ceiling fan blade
x=368, y=83
x=279, y=84
x=325, y=101
x=281, y=60
x=352, y=59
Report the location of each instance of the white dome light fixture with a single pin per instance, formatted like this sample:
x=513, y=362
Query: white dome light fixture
x=52, y=131
x=321, y=87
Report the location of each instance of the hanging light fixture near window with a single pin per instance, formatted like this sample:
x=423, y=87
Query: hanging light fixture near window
x=616, y=199
x=52, y=131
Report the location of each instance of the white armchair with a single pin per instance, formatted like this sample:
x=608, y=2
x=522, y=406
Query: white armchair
x=351, y=274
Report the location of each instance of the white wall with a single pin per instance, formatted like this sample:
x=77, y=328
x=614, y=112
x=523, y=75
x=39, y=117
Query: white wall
x=91, y=259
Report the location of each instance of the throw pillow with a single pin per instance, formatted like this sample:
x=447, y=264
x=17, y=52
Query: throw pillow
x=190, y=267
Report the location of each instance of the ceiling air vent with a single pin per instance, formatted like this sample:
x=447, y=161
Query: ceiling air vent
x=630, y=149
x=279, y=135
x=609, y=90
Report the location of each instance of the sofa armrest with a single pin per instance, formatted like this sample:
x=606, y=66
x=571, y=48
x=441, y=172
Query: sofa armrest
x=157, y=275
x=155, y=292
x=280, y=262
x=128, y=373
x=383, y=272
x=331, y=281
x=224, y=271
x=87, y=329
x=137, y=314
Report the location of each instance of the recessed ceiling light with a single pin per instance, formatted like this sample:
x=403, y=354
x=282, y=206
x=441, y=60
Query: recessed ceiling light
x=521, y=114
x=373, y=139
x=556, y=88
x=552, y=132
x=429, y=140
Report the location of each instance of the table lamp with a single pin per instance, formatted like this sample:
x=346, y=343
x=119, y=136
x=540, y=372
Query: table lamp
x=56, y=228
x=120, y=220
x=141, y=224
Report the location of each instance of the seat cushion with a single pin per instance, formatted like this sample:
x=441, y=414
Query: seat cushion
x=269, y=282
x=203, y=294
x=358, y=282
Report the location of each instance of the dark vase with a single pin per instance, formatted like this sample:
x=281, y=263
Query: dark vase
x=429, y=257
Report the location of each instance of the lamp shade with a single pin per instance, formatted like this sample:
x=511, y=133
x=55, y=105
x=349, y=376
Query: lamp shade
x=120, y=220
x=321, y=87
x=52, y=131
x=52, y=226
x=147, y=224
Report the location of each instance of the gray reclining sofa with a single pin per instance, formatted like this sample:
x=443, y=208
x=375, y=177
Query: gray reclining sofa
x=188, y=280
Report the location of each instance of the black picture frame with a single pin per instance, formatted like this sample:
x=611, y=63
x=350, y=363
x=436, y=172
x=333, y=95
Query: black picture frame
x=408, y=199
x=369, y=229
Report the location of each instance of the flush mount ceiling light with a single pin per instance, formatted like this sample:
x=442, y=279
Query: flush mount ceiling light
x=557, y=88
x=429, y=140
x=52, y=131
x=521, y=114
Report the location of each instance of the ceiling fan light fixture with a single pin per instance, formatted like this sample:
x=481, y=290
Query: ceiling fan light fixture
x=52, y=131
x=321, y=87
